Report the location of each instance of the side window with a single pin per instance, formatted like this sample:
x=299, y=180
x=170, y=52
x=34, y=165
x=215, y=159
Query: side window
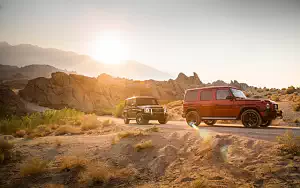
x=222, y=94
x=206, y=95
x=129, y=102
x=191, y=96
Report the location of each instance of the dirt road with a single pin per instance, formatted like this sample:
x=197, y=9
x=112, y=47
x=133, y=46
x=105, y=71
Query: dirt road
x=269, y=133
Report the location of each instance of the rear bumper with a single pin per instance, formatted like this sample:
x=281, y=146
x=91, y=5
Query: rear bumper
x=155, y=116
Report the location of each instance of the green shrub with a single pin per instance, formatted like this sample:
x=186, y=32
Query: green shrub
x=119, y=109
x=290, y=90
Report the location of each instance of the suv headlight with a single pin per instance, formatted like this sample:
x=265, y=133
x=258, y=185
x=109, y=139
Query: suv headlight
x=147, y=110
x=268, y=105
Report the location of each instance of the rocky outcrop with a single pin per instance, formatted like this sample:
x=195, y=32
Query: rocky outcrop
x=10, y=103
x=97, y=94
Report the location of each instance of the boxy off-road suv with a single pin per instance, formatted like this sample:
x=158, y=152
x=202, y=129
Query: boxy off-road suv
x=142, y=109
x=227, y=103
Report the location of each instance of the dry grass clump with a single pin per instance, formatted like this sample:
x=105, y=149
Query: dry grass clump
x=290, y=90
x=33, y=166
x=290, y=144
x=69, y=162
x=5, y=147
x=67, y=129
x=97, y=173
x=54, y=186
x=107, y=123
x=275, y=98
x=90, y=122
x=296, y=107
x=143, y=145
x=126, y=134
x=200, y=183
x=152, y=129
x=20, y=133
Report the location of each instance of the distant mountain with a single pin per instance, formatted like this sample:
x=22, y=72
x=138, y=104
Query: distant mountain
x=8, y=72
x=26, y=54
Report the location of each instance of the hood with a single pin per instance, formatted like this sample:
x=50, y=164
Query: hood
x=151, y=106
x=256, y=100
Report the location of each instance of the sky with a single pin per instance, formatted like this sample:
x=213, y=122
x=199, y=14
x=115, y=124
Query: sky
x=252, y=41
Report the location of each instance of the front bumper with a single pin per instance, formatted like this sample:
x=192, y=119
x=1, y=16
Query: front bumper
x=269, y=115
x=155, y=116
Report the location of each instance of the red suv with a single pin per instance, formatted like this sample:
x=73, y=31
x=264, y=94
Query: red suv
x=227, y=103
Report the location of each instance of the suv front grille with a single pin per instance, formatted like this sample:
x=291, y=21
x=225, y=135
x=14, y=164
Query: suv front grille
x=157, y=110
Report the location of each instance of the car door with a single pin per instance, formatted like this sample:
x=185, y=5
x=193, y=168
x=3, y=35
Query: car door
x=206, y=104
x=224, y=106
x=129, y=108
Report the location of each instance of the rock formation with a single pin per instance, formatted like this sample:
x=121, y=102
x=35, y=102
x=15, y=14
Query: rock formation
x=104, y=92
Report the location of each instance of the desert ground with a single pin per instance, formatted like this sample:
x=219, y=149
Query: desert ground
x=154, y=155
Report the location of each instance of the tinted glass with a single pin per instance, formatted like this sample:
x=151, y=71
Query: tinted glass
x=222, y=94
x=191, y=96
x=206, y=95
x=238, y=93
x=146, y=101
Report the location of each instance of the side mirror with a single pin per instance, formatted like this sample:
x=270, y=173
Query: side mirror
x=230, y=97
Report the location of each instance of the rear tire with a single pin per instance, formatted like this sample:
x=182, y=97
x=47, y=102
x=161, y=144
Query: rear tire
x=210, y=122
x=140, y=119
x=126, y=120
x=266, y=123
x=251, y=118
x=193, y=118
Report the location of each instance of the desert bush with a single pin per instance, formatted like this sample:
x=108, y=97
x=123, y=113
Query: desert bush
x=21, y=133
x=67, y=129
x=54, y=186
x=260, y=90
x=119, y=109
x=257, y=97
x=289, y=143
x=126, y=134
x=107, y=123
x=33, y=166
x=143, y=145
x=200, y=183
x=275, y=98
x=152, y=129
x=97, y=173
x=12, y=124
x=90, y=122
x=69, y=162
x=296, y=107
x=290, y=90
x=5, y=149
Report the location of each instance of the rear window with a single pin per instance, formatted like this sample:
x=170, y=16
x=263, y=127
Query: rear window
x=191, y=96
x=206, y=95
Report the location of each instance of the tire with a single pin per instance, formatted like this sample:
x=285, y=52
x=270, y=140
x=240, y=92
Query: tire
x=193, y=117
x=251, y=118
x=266, y=123
x=163, y=121
x=140, y=120
x=126, y=120
x=210, y=122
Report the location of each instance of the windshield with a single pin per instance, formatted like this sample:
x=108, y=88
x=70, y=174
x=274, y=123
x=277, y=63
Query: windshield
x=146, y=101
x=238, y=93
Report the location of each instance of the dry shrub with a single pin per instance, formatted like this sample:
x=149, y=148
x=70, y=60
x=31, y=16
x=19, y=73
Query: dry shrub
x=143, y=145
x=33, y=166
x=69, y=162
x=5, y=149
x=107, y=123
x=20, y=133
x=200, y=183
x=126, y=134
x=90, y=122
x=54, y=186
x=289, y=143
x=67, y=129
x=119, y=109
x=97, y=173
x=296, y=107
x=152, y=129
x=290, y=90
x=42, y=130
x=275, y=98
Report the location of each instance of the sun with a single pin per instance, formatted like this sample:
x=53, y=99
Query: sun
x=109, y=49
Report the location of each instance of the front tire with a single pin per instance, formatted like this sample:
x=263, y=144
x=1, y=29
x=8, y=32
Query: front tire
x=140, y=119
x=266, y=123
x=210, y=122
x=126, y=120
x=163, y=121
x=251, y=118
x=193, y=118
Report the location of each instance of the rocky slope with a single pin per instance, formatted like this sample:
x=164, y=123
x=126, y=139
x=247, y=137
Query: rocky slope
x=104, y=92
x=10, y=103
